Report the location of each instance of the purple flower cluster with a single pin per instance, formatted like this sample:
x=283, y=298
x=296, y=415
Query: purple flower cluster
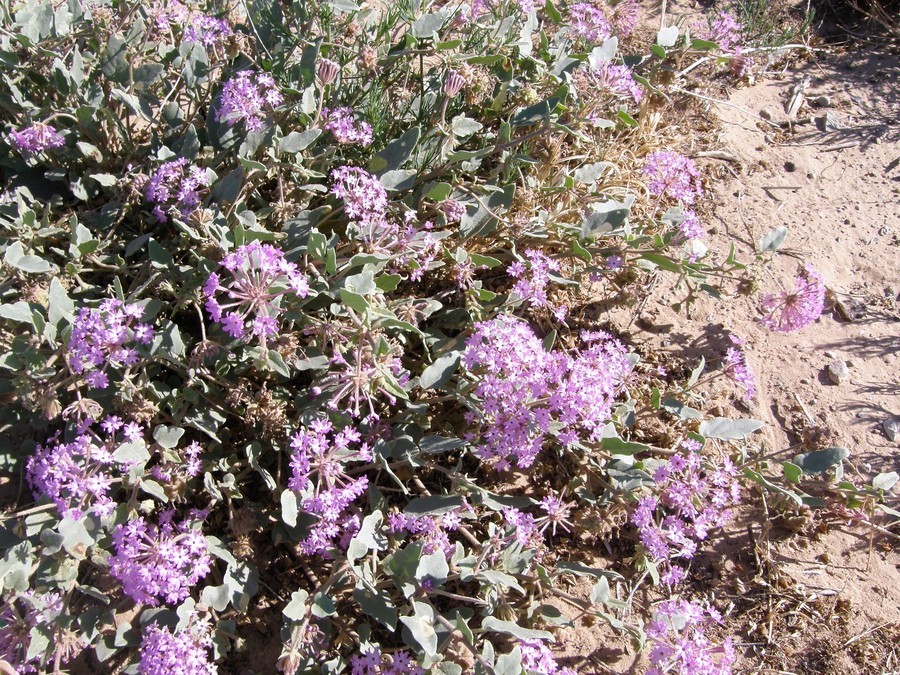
x=366, y=204
x=208, y=31
x=175, y=186
x=432, y=531
x=691, y=500
x=36, y=138
x=724, y=30
x=672, y=175
x=245, y=97
x=321, y=453
x=690, y=228
x=259, y=279
x=736, y=368
x=179, y=464
x=788, y=312
x=532, y=280
x=588, y=22
x=679, y=644
x=365, y=199
x=537, y=658
x=20, y=615
x=105, y=336
x=346, y=130
x=187, y=652
x=78, y=476
x=625, y=15
x=522, y=390
x=453, y=210
x=617, y=79
x=162, y=563
x=373, y=662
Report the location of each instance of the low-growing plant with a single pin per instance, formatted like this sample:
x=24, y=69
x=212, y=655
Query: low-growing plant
x=292, y=291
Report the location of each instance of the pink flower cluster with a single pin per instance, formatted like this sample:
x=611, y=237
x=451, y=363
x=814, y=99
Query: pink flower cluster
x=246, y=97
x=175, y=186
x=691, y=500
x=533, y=279
x=788, y=312
x=366, y=203
x=589, y=22
x=187, y=652
x=346, y=130
x=373, y=662
x=679, y=645
x=36, y=138
x=537, y=658
x=321, y=453
x=617, y=79
x=725, y=30
x=174, y=14
x=672, y=175
x=736, y=368
x=250, y=299
x=105, y=336
x=432, y=531
x=162, y=563
x=208, y=30
x=179, y=464
x=522, y=390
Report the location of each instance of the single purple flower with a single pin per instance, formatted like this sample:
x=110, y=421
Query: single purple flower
x=788, y=312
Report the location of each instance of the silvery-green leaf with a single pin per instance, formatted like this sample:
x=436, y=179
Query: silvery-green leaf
x=820, y=461
x=728, y=430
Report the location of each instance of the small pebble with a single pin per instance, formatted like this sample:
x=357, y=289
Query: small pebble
x=804, y=380
x=822, y=102
x=790, y=167
x=766, y=114
x=891, y=428
x=883, y=231
x=838, y=372
x=830, y=354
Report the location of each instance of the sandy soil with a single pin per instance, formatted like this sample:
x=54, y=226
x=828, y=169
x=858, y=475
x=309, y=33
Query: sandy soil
x=806, y=591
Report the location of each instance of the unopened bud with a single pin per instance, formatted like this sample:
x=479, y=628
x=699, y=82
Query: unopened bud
x=453, y=83
x=327, y=71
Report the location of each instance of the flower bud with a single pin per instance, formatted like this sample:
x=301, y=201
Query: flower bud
x=453, y=83
x=327, y=71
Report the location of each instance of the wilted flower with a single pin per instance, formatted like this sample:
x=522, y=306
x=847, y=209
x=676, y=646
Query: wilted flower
x=792, y=311
x=159, y=564
x=624, y=16
x=175, y=186
x=246, y=97
x=260, y=278
x=672, y=175
x=36, y=138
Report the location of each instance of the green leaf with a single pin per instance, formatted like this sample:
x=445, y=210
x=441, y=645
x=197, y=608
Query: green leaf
x=396, y=153
x=606, y=217
x=434, y=505
x=820, y=461
x=60, y=306
x=377, y=604
x=885, y=481
x=729, y=430
x=296, y=609
x=167, y=437
x=132, y=452
x=427, y=25
x=298, y=140
x=667, y=37
x=534, y=113
x=772, y=240
x=484, y=261
x=289, y=508
x=433, y=567
x=463, y=127
x=495, y=625
x=792, y=472
x=354, y=301
x=617, y=446
x=439, y=373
